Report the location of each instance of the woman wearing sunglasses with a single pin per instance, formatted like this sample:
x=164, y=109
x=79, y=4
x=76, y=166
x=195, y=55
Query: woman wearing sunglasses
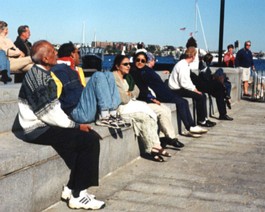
x=143, y=117
x=162, y=111
x=145, y=76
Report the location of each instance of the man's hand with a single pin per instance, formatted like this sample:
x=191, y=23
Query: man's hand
x=198, y=92
x=85, y=127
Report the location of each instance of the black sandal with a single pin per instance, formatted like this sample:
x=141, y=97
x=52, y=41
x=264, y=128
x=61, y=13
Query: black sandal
x=164, y=153
x=157, y=157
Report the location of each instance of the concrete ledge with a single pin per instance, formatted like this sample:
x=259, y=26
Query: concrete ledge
x=34, y=174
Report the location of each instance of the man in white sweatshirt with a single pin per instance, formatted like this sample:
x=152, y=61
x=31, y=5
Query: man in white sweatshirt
x=180, y=82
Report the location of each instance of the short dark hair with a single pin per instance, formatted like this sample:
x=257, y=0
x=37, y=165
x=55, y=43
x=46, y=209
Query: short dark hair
x=22, y=29
x=191, y=42
x=230, y=46
x=248, y=41
x=117, y=61
x=66, y=49
x=208, y=58
x=3, y=24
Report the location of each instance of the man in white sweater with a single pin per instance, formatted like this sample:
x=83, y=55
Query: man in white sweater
x=180, y=82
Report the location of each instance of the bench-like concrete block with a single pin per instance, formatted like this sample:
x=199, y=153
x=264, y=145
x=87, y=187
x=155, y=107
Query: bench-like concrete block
x=17, y=154
x=33, y=188
x=9, y=92
x=118, y=151
x=38, y=170
x=8, y=111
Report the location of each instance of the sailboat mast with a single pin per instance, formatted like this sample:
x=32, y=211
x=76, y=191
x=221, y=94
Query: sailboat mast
x=196, y=21
x=95, y=39
x=83, y=35
x=199, y=14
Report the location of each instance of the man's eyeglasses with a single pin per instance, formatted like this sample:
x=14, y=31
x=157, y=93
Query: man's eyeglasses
x=125, y=64
x=248, y=44
x=140, y=60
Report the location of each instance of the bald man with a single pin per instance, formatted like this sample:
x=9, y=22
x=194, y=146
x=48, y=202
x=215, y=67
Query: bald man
x=44, y=122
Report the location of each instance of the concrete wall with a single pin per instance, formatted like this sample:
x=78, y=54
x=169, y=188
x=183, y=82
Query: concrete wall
x=31, y=176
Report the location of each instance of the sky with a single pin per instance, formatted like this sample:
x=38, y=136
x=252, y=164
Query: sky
x=149, y=21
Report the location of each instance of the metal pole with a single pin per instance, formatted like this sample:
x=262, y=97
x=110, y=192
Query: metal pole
x=221, y=32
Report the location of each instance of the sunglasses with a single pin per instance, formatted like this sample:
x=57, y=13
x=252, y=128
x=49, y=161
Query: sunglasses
x=248, y=45
x=126, y=64
x=140, y=60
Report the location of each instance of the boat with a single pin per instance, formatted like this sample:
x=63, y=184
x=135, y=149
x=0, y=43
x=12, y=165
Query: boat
x=91, y=59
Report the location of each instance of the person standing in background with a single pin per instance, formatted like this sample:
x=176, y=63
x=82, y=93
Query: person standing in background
x=22, y=39
x=229, y=58
x=244, y=60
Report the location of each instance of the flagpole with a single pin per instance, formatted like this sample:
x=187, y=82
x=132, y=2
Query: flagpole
x=196, y=21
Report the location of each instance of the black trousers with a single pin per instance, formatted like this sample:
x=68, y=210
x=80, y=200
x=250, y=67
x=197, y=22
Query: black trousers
x=213, y=87
x=200, y=100
x=79, y=150
x=183, y=111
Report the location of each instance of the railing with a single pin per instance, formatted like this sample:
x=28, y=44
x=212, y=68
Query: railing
x=258, y=85
x=97, y=51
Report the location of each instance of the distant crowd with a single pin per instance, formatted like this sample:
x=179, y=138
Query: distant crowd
x=57, y=105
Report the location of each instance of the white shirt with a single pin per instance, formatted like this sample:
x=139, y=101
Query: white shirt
x=180, y=77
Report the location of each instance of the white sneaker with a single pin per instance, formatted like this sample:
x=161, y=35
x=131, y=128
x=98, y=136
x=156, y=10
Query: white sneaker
x=189, y=134
x=85, y=202
x=108, y=122
x=66, y=194
x=198, y=130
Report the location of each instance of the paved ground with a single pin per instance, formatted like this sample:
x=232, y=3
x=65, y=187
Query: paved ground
x=222, y=171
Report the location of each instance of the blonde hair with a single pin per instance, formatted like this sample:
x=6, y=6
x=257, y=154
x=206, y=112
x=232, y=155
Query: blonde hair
x=190, y=52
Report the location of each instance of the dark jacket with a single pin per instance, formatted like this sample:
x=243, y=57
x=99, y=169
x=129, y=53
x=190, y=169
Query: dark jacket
x=145, y=93
x=72, y=88
x=149, y=78
x=244, y=58
x=24, y=46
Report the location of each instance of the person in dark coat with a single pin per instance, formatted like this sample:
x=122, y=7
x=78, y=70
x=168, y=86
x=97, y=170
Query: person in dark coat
x=22, y=39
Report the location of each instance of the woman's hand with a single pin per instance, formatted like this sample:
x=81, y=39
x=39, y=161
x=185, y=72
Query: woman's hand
x=156, y=101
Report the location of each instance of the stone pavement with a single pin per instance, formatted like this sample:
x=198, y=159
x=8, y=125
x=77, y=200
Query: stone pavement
x=221, y=171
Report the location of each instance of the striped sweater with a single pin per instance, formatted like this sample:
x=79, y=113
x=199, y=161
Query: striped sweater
x=39, y=107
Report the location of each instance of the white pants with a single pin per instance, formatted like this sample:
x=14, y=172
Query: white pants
x=245, y=74
x=164, y=119
x=145, y=127
x=21, y=63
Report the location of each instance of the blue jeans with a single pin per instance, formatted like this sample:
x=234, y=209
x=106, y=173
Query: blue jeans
x=100, y=94
x=4, y=62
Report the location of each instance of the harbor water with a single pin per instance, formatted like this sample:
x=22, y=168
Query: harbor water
x=108, y=62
